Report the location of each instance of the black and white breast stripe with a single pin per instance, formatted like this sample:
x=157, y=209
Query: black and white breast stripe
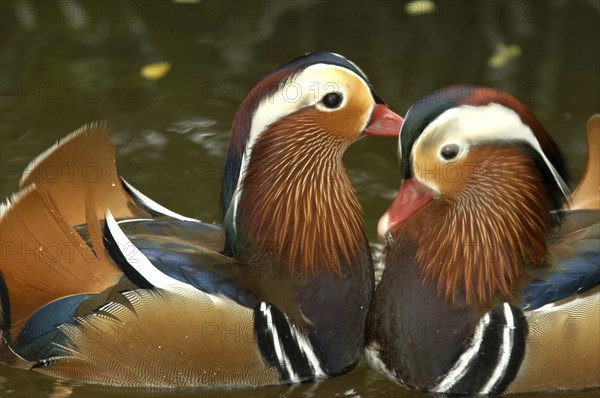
x=284, y=347
x=493, y=356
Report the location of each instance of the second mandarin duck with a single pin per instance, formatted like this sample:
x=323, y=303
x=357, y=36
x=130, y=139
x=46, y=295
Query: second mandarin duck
x=492, y=274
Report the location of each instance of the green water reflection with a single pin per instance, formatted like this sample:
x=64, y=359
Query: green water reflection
x=66, y=63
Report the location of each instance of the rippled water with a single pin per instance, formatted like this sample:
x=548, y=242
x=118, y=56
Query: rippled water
x=63, y=64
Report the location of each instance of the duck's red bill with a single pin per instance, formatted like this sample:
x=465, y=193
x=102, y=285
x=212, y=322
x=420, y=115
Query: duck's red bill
x=384, y=122
x=412, y=197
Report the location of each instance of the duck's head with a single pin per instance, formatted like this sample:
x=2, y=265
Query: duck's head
x=292, y=128
x=481, y=175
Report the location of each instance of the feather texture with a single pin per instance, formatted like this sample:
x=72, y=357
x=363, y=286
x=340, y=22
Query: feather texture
x=83, y=160
x=44, y=258
x=181, y=330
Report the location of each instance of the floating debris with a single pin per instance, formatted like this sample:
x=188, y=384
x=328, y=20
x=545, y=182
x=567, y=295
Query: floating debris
x=155, y=71
x=419, y=7
x=503, y=54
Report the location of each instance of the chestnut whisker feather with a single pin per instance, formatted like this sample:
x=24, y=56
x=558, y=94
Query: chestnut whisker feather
x=304, y=225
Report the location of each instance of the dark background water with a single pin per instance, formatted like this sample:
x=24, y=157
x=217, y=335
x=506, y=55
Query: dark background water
x=67, y=63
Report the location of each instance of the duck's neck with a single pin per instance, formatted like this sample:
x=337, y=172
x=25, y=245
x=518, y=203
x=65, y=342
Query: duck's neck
x=297, y=206
x=298, y=219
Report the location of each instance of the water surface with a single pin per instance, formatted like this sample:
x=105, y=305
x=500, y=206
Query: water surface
x=64, y=64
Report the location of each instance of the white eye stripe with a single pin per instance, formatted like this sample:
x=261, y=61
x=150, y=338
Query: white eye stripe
x=471, y=125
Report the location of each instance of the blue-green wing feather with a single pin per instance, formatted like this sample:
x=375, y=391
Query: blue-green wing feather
x=573, y=264
x=190, y=253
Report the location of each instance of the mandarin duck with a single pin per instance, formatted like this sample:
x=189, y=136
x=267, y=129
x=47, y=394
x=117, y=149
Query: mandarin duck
x=101, y=284
x=491, y=280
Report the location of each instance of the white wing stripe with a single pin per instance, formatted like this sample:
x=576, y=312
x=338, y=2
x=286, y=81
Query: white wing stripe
x=152, y=205
x=139, y=261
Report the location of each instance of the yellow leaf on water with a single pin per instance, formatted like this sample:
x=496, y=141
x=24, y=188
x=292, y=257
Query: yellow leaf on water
x=155, y=71
x=419, y=7
x=503, y=54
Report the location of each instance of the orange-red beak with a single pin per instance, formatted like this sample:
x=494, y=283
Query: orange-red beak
x=384, y=122
x=412, y=197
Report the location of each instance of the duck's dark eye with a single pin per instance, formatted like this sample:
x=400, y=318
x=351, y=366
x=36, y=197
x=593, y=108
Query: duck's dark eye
x=332, y=100
x=450, y=151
